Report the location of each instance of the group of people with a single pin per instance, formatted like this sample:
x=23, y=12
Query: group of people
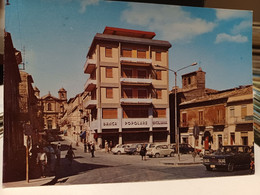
x=89, y=147
x=108, y=146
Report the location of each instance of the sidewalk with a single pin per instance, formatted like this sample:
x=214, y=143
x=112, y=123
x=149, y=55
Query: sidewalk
x=185, y=159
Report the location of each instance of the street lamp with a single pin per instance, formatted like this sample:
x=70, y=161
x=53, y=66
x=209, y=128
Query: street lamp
x=175, y=105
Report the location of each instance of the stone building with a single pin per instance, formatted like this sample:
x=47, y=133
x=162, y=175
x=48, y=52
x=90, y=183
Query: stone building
x=53, y=109
x=129, y=94
x=220, y=118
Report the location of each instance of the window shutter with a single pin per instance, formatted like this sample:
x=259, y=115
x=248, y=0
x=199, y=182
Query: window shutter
x=109, y=72
x=159, y=94
x=109, y=92
x=108, y=52
x=109, y=113
x=158, y=56
x=243, y=111
x=141, y=54
x=127, y=53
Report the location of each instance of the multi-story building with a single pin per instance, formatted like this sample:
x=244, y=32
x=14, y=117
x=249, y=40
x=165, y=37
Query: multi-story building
x=220, y=118
x=128, y=93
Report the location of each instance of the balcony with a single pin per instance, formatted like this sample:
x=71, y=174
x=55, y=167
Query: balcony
x=136, y=61
x=90, y=104
x=89, y=66
x=141, y=101
x=135, y=81
x=90, y=84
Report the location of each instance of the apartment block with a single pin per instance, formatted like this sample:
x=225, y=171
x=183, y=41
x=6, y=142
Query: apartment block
x=128, y=95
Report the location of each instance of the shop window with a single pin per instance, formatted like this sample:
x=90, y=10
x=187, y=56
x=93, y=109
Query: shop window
x=109, y=113
x=109, y=72
x=108, y=52
x=109, y=92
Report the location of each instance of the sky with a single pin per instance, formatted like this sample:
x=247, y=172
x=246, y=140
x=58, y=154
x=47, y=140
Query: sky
x=57, y=34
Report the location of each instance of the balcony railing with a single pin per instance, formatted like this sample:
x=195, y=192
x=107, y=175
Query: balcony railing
x=90, y=84
x=135, y=80
x=89, y=66
x=136, y=101
x=136, y=60
x=90, y=104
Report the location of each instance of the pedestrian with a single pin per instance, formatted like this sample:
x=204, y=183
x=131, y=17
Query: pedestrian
x=110, y=146
x=58, y=152
x=106, y=146
x=70, y=155
x=85, y=146
x=143, y=152
x=92, y=149
x=42, y=159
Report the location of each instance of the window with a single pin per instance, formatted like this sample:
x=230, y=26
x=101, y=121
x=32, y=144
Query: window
x=189, y=81
x=219, y=116
x=109, y=92
x=232, y=111
x=243, y=111
x=159, y=113
x=158, y=56
x=142, y=93
x=49, y=106
x=127, y=53
x=159, y=75
x=109, y=72
x=184, y=119
x=232, y=138
x=135, y=112
x=158, y=93
x=109, y=113
x=108, y=52
x=127, y=73
x=141, y=54
x=127, y=93
x=142, y=74
x=201, y=119
x=49, y=124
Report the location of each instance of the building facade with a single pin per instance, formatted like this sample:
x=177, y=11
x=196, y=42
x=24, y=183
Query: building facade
x=128, y=99
x=216, y=119
x=53, y=109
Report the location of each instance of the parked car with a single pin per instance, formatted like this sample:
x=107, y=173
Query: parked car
x=119, y=149
x=160, y=151
x=228, y=157
x=133, y=149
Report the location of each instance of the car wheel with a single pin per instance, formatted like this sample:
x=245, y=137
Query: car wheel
x=230, y=167
x=172, y=154
x=157, y=155
x=118, y=153
x=208, y=168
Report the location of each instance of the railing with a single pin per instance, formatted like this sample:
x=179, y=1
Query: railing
x=136, y=80
x=136, y=60
x=136, y=100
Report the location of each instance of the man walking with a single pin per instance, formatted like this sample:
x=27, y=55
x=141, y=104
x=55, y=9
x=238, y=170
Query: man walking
x=42, y=159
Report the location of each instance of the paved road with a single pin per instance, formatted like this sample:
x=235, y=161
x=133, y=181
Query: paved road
x=109, y=168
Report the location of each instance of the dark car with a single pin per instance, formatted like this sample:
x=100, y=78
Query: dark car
x=228, y=157
x=133, y=149
x=185, y=148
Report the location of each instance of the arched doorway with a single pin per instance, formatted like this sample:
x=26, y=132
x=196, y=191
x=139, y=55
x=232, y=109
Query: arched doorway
x=207, y=138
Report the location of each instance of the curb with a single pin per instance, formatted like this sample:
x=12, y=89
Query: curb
x=184, y=163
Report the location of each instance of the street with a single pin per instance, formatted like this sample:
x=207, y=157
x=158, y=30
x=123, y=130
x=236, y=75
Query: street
x=109, y=168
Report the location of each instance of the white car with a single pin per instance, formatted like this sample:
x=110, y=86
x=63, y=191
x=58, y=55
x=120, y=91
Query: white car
x=119, y=149
x=160, y=150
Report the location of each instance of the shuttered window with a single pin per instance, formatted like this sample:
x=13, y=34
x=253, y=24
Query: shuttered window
x=159, y=113
x=243, y=111
x=108, y=52
x=109, y=92
x=158, y=75
x=109, y=72
x=127, y=53
x=159, y=94
x=109, y=113
x=141, y=54
x=158, y=56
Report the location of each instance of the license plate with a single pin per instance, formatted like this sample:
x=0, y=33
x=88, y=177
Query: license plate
x=212, y=166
